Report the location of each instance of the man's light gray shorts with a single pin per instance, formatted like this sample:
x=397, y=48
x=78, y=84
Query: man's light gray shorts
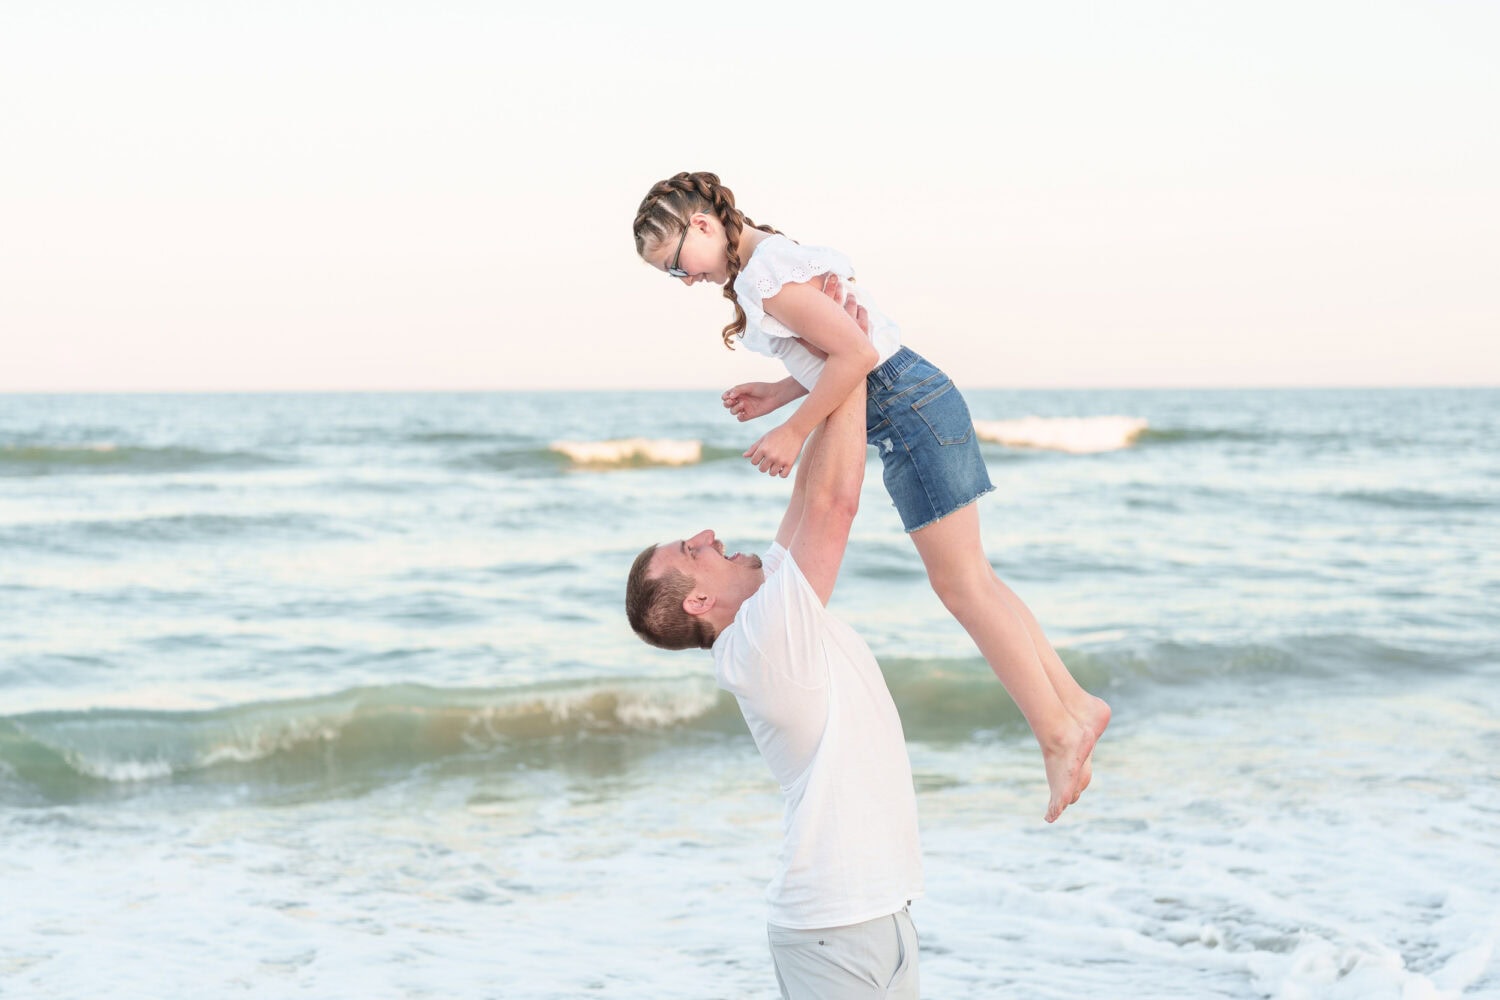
x=877, y=958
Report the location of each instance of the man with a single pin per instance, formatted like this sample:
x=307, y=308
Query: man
x=822, y=716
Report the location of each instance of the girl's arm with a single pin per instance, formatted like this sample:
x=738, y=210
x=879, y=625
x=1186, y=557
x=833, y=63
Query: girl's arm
x=750, y=400
x=825, y=325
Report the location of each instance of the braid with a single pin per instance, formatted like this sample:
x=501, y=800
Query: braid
x=665, y=212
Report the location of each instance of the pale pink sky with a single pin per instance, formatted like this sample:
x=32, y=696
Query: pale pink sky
x=329, y=196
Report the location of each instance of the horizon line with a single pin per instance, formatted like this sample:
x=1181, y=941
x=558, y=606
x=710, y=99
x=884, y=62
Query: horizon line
x=391, y=391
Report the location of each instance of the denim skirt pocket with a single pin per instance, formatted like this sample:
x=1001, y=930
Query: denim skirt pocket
x=929, y=453
x=946, y=414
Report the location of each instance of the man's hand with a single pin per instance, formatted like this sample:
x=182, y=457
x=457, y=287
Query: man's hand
x=833, y=287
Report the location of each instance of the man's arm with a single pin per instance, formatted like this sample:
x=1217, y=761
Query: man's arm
x=831, y=476
x=834, y=289
x=848, y=358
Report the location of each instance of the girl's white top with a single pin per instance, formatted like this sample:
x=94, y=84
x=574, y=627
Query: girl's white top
x=777, y=261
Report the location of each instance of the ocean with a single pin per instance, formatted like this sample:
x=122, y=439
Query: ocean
x=333, y=696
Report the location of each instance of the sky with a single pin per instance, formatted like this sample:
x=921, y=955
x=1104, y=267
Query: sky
x=316, y=195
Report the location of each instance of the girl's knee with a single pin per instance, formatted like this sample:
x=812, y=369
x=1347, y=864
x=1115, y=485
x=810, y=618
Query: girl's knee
x=971, y=588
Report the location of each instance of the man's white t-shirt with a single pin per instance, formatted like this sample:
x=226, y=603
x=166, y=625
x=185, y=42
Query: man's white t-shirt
x=822, y=716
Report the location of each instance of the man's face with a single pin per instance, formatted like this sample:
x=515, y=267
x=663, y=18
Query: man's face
x=702, y=559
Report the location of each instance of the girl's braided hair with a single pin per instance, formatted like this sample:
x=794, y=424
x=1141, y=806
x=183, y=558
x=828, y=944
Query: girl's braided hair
x=666, y=209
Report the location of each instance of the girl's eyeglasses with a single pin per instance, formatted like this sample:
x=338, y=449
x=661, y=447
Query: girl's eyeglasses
x=672, y=268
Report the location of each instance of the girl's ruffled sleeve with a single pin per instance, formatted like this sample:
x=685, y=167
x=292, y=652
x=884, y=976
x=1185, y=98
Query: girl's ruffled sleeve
x=777, y=262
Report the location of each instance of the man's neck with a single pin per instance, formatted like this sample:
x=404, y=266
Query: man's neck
x=723, y=613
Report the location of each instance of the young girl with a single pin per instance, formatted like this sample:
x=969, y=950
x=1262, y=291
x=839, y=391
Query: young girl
x=688, y=226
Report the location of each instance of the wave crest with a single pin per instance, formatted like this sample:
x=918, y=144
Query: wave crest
x=1074, y=435
x=597, y=726
x=624, y=452
x=350, y=732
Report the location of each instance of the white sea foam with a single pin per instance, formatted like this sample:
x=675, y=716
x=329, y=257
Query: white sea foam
x=120, y=771
x=660, y=707
x=242, y=748
x=130, y=752
x=1310, y=860
x=645, y=706
x=631, y=451
x=260, y=743
x=1075, y=435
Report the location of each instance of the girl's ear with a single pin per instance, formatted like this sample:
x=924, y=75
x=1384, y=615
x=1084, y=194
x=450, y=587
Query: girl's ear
x=705, y=223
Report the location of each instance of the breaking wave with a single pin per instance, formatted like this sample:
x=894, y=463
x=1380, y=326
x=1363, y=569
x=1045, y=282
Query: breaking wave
x=363, y=734
x=624, y=452
x=1074, y=435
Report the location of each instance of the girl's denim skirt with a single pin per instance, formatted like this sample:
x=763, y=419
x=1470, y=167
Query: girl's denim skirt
x=918, y=421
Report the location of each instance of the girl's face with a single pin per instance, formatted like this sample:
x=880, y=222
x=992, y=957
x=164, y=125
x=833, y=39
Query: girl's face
x=702, y=252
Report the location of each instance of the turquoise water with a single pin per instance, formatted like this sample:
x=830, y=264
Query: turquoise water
x=310, y=695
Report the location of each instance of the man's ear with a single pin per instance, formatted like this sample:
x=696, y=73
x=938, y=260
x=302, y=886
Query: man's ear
x=697, y=604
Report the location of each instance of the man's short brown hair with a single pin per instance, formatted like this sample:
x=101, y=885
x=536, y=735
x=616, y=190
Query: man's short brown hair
x=654, y=607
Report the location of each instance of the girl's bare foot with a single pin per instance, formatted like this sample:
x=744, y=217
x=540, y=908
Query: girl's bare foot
x=1067, y=761
x=1084, y=778
x=1094, y=713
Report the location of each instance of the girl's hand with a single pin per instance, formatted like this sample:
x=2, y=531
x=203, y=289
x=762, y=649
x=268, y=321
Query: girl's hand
x=753, y=399
x=756, y=399
x=776, y=452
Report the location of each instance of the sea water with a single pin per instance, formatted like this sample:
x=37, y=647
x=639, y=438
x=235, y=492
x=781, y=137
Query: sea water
x=332, y=695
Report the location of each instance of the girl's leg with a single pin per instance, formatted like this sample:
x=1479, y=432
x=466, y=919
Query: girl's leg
x=1091, y=711
x=963, y=579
